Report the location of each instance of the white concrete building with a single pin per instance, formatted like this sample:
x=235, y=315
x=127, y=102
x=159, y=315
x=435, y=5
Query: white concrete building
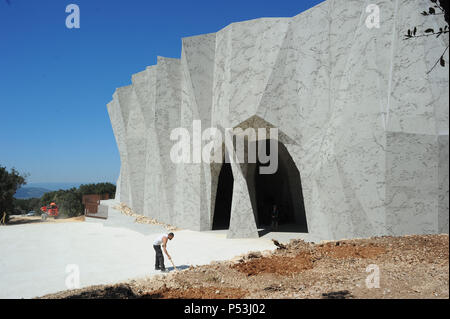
x=363, y=129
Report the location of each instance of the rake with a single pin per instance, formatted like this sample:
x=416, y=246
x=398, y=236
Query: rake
x=174, y=267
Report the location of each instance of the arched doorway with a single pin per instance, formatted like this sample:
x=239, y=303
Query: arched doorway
x=283, y=189
x=224, y=196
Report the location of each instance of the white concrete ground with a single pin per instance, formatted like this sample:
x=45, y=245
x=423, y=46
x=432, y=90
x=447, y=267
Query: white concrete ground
x=34, y=257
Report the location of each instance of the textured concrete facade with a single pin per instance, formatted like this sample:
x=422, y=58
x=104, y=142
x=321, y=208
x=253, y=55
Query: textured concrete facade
x=364, y=125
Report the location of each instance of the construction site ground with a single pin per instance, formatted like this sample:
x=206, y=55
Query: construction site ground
x=39, y=258
x=21, y=219
x=413, y=266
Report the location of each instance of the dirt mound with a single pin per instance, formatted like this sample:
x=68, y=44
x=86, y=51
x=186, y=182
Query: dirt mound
x=78, y=218
x=337, y=250
x=281, y=265
x=140, y=219
x=119, y=291
x=21, y=220
x=197, y=293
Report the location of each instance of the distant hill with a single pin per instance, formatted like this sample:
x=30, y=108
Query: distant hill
x=36, y=190
x=55, y=186
x=30, y=192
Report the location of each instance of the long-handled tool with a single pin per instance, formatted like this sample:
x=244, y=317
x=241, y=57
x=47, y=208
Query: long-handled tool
x=174, y=267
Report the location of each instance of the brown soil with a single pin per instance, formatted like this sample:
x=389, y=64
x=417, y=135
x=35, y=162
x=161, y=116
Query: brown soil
x=21, y=220
x=409, y=266
x=276, y=265
x=337, y=250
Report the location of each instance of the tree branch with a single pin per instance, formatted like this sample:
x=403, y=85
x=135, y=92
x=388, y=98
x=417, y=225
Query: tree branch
x=441, y=57
x=407, y=37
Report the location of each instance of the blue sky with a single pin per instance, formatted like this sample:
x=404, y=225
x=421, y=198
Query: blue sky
x=55, y=82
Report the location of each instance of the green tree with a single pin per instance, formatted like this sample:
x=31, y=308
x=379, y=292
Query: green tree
x=26, y=205
x=69, y=201
x=9, y=183
x=99, y=188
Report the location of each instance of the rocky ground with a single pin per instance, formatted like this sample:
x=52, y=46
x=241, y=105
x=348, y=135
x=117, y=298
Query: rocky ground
x=409, y=267
x=20, y=220
x=124, y=209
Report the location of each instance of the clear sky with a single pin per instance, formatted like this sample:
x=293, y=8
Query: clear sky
x=55, y=82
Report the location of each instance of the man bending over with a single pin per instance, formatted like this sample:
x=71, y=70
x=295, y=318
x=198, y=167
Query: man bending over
x=159, y=258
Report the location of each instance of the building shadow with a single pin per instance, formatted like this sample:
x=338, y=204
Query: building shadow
x=283, y=228
x=263, y=232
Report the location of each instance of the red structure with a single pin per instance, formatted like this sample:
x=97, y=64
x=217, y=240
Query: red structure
x=91, y=203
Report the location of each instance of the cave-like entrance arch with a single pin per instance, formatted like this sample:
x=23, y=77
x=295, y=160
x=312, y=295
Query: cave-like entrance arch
x=282, y=188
